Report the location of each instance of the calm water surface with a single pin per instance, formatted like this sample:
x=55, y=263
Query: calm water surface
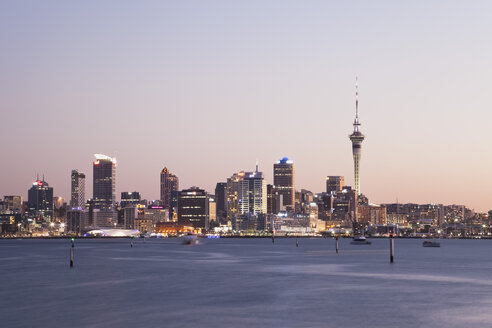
x=245, y=283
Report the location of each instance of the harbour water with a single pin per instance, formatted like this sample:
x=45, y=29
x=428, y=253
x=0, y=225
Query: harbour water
x=245, y=283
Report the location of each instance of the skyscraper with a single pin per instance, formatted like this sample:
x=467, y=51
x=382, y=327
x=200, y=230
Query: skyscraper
x=169, y=183
x=78, y=190
x=271, y=199
x=221, y=201
x=40, y=202
x=104, y=191
x=356, y=137
x=233, y=194
x=283, y=179
x=334, y=183
x=193, y=208
x=253, y=193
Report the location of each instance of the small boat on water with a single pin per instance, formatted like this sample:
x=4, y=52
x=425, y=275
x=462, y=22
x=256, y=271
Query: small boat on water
x=429, y=243
x=360, y=240
x=190, y=239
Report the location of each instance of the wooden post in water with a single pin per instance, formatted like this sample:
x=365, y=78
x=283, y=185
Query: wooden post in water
x=72, y=249
x=392, y=248
x=131, y=241
x=297, y=241
x=336, y=244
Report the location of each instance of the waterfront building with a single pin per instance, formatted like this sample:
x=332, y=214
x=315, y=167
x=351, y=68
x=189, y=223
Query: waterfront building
x=284, y=181
x=252, y=193
x=156, y=213
x=356, y=138
x=371, y=214
x=104, y=182
x=144, y=225
x=77, y=221
x=172, y=228
x=334, y=183
x=130, y=198
x=193, y=208
x=169, y=183
x=422, y=214
x=40, y=202
x=105, y=218
x=130, y=213
x=77, y=199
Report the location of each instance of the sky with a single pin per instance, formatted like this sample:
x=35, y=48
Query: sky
x=207, y=88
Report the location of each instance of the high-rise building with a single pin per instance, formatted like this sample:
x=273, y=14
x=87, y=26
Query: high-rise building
x=130, y=198
x=356, y=137
x=221, y=201
x=283, y=179
x=77, y=199
x=253, y=193
x=104, y=191
x=334, y=183
x=169, y=183
x=271, y=199
x=212, y=209
x=193, y=208
x=233, y=194
x=40, y=202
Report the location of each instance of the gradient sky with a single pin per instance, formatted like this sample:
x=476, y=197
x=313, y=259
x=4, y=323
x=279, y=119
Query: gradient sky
x=208, y=87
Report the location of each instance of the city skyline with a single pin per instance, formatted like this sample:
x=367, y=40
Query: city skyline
x=178, y=86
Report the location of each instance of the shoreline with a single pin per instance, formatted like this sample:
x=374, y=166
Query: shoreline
x=238, y=237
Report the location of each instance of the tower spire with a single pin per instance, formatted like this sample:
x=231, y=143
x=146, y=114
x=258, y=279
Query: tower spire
x=356, y=121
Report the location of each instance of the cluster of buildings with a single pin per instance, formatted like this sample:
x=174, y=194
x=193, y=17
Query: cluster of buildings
x=243, y=204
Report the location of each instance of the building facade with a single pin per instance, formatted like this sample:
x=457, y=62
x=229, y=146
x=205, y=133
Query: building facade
x=334, y=183
x=104, y=182
x=130, y=198
x=40, y=202
x=221, y=201
x=253, y=193
x=77, y=199
x=169, y=183
x=284, y=181
x=193, y=208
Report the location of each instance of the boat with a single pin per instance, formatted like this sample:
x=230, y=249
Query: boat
x=190, y=239
x=360, y=240
x=429, y=243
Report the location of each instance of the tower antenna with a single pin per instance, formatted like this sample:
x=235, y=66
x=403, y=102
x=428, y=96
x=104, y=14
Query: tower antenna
x=356, y=99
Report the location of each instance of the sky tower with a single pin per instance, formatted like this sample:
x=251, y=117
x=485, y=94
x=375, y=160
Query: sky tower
x=356, y=137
